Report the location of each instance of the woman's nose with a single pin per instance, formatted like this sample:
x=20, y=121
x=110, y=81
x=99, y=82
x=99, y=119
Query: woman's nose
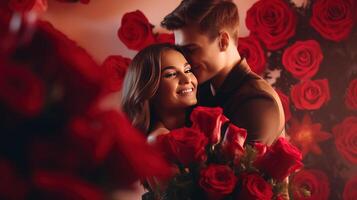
x=185, y=78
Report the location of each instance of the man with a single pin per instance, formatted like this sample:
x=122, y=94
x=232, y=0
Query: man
x=208, y=31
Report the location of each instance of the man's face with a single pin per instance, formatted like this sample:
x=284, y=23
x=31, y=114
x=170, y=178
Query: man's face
x=204, y=53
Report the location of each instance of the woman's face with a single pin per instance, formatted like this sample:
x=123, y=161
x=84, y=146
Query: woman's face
x=178, y=85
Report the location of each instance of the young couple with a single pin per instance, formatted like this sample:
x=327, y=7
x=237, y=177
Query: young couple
x=162, y=81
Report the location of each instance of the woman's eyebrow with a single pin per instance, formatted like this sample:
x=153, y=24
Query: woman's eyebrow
x=167, y=67
x=172, y=67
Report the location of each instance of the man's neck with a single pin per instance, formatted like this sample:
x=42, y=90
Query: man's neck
x=218, y=80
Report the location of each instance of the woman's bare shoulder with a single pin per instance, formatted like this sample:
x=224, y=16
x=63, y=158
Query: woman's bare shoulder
x=155, y=133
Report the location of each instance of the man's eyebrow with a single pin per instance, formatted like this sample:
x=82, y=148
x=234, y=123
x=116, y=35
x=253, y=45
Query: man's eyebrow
x=188, y=45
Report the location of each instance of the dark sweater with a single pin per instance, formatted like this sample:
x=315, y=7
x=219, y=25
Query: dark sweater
x=249, y=102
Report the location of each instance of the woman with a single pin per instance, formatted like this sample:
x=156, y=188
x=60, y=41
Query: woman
x=158, y=89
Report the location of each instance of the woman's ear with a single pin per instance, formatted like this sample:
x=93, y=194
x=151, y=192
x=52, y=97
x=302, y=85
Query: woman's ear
x=223, y=40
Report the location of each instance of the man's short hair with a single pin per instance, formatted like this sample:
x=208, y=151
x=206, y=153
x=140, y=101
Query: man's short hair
x=211, y=16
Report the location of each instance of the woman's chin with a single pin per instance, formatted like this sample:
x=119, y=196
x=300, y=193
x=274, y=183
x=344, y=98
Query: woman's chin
x=191, y=102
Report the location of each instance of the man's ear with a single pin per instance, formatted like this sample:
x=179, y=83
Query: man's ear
x=223, y=40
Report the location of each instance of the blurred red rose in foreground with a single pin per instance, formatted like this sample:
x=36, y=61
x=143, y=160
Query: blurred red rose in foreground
x=21, y=90
x=66, y=147
x=28, y=5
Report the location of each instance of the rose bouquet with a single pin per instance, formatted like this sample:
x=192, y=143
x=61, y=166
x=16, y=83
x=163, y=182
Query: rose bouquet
x=213, y=161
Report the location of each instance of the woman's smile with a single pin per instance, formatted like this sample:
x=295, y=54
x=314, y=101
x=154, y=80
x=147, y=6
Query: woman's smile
x=186, y=91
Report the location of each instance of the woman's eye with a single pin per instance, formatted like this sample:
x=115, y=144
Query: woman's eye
x=169, y=75
x=189, y=70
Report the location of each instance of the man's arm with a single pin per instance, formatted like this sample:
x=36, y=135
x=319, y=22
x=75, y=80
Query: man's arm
x=260, y=116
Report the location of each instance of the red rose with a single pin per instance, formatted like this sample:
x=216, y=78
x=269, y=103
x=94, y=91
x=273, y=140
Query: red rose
x=60, y=154
x=11, y=36
x=310, y=94
x=5, y=18
x=115, y=68
x=250, y=48
x=351, y=95
x=310, y=181
x=78, y=78
x=27, y=5
x=254, y=187
x=209, y=121
x=72, y=75
x=165, y=38
x=11, y=186
x=136, y=31
x=285, y=101
x=280, y=160
x=303, y=59
x=21, y=90
x=233, y=141
x=350, y=191
x=184, y=145
x=108, y=137
x=217, y=181
x=333, y=19
x=272, y=21
x=52, y=185
x=96, y=133
x=4, y=7
x=345, y=137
